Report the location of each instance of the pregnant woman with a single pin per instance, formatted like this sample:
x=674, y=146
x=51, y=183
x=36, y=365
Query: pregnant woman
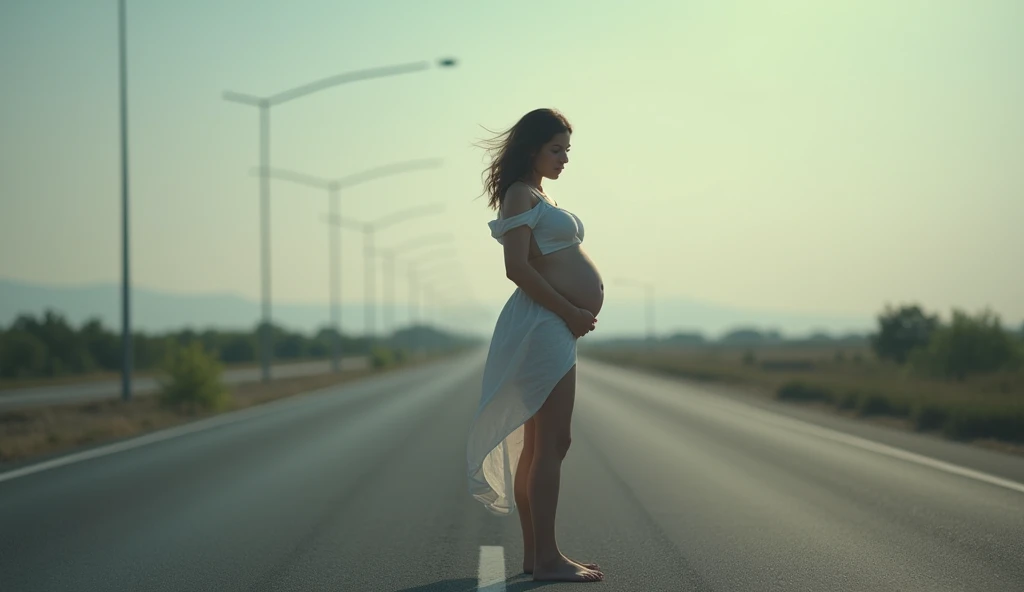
x=520, y=432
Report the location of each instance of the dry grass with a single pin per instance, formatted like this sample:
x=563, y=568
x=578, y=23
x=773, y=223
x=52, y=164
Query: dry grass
x=985, y=409
x=841, y=369
x=35, y=432
x=103, y=375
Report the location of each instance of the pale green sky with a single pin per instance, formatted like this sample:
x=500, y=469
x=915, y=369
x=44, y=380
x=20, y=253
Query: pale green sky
x=797, y=156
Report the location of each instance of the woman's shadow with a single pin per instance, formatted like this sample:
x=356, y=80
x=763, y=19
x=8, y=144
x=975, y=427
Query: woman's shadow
x=518, y=583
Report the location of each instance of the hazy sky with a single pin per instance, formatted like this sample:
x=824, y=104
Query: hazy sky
x=826, y=157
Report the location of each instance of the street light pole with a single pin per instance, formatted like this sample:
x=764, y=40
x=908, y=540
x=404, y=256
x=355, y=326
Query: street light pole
x=369, y=267
x=650, y=313
x=333, y=187
x=433, y=275
x=415, y=287
x=415, y=275
x=388, y=265
x=126, y=317
x=266, y=336
x=412, y=296
x=434, y=298
x=428, y=303
x=333, y=274
x=388, y=297
x=369, y=229
x=264, y=104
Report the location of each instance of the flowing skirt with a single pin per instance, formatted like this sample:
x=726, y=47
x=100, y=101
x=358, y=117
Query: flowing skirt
x=531, y=350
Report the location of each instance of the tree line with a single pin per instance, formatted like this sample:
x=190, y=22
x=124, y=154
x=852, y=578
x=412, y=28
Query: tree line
x=48, y=345
x=964, y=345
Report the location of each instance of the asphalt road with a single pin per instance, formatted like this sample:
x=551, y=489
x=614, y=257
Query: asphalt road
x=106, y=389
x=667, y=485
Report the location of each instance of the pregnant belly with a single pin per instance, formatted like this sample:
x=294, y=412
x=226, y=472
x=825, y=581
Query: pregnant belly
x=573, y=275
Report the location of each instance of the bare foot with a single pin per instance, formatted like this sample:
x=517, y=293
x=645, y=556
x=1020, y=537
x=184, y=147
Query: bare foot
x=528, y=565
x=564, y=570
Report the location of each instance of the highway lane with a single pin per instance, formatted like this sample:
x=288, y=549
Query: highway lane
x=669, y=486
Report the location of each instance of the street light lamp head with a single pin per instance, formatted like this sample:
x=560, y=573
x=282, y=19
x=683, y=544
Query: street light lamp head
x=446, y=62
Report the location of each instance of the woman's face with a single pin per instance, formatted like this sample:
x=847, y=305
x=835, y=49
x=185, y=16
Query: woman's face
x=553, y=156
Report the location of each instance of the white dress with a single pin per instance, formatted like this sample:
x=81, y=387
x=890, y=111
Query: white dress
x=531, y=350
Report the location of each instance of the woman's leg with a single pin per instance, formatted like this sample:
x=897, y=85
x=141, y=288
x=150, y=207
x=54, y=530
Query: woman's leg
x=551, y=426
x=522, y=494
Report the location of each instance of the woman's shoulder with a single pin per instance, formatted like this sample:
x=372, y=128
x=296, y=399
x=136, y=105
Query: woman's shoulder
x=520, y=190
x=519, y=198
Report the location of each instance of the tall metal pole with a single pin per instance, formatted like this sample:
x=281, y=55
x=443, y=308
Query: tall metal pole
x=413, y=320
x=389, y=292
x=412, y=296
x=126, y=317
x=369, y=255
x=264, y=103
x=388, y=257
x=371, y=311
x=428, y=303
x=650, y=313
x=334, y=186
x=417, y=285
x=334, y=275
x=265, y=333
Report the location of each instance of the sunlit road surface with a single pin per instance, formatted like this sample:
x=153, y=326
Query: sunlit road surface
x=668, y=486
x=107, y=389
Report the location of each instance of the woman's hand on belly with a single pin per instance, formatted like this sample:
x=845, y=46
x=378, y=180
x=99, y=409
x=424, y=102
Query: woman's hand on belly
x=582, y=322
x=573, y=275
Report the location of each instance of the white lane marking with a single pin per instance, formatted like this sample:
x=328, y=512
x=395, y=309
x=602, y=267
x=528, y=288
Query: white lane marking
x=899, y=453
x=151, y=438
x=784, y=421
x=491, y=576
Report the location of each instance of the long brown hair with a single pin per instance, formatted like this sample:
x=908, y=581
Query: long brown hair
x=512, y=150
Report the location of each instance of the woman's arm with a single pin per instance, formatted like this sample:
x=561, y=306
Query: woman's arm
x=518, y=199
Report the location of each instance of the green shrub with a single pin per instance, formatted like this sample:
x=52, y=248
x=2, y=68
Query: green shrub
x=382, y=357
x=883, y=404
x=799, y=391
x=901, y=330
x=929, y=416
x=985, y=422
x=787, y=365
x=22, y=355
x=851, y=400
x=700, y=375
x=968, y=345
x=873, y=404
x=191, y=380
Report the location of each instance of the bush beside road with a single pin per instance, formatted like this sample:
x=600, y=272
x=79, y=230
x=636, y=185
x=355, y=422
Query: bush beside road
x=193, y=389
x=963, y=380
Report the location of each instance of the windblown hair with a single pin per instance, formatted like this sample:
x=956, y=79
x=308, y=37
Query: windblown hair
x=512, y=151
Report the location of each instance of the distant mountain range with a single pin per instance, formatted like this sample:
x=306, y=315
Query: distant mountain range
x=155, y=311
